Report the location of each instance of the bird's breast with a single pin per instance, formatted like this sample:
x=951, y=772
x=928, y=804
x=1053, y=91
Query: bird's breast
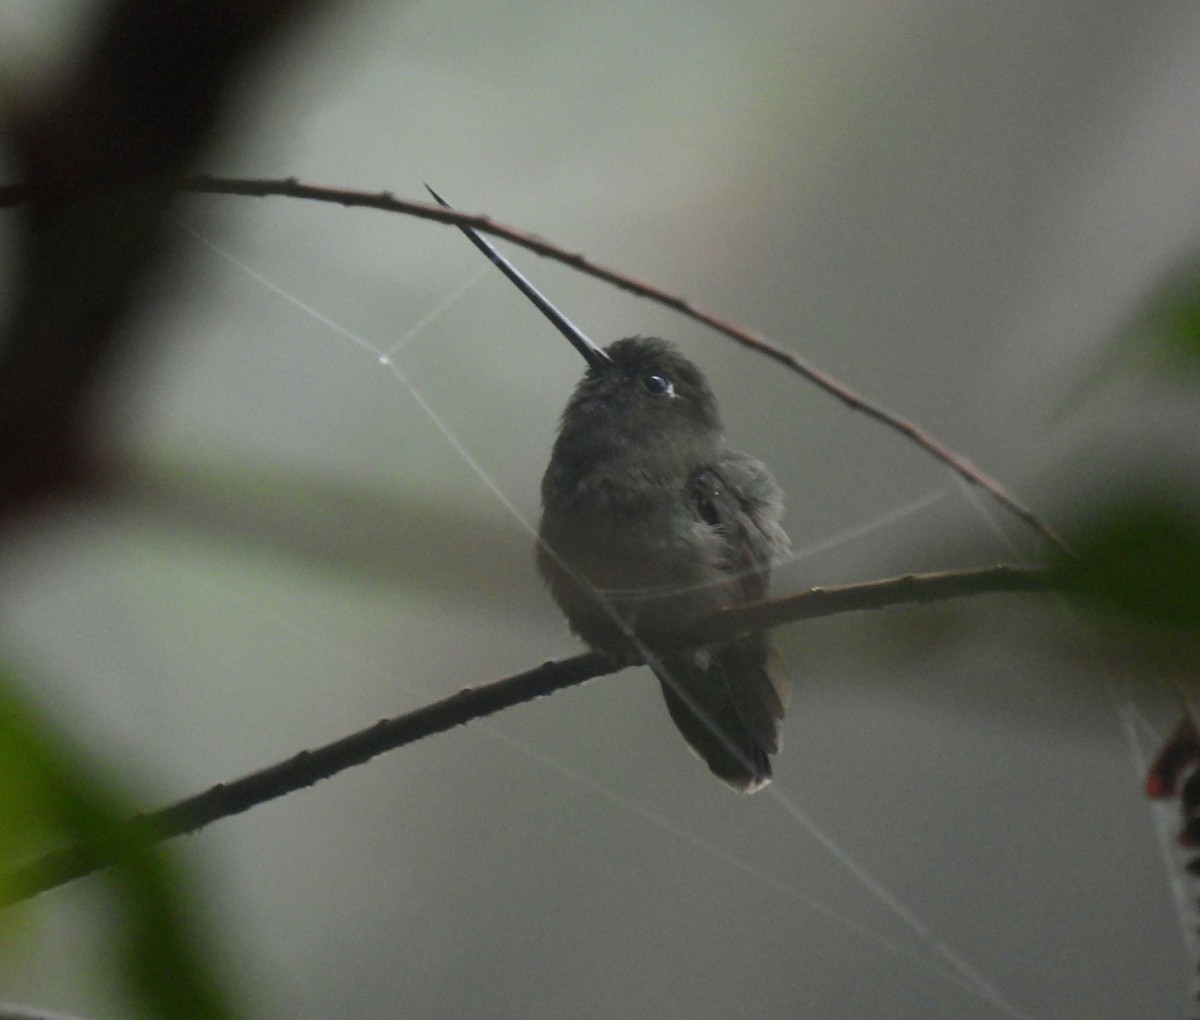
x=647, y=563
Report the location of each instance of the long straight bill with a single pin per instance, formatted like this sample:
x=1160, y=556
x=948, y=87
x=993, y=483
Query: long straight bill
x=594, y=355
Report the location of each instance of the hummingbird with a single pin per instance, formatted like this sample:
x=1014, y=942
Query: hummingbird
x=649, y=524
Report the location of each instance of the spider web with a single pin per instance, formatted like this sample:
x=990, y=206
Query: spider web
x=916, y=943
x=864, y=915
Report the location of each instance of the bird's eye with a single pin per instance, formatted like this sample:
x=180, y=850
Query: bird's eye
x=658, y=384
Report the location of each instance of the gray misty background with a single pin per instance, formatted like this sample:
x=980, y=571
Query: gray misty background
x=955, y=207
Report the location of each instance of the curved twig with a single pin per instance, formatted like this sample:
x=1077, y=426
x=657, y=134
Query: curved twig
x=386, y=201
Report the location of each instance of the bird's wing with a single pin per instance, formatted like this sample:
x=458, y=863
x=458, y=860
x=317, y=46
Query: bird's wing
x=728, y=701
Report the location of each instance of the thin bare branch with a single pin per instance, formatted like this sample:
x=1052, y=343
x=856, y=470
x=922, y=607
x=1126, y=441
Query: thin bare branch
x=849, y=598
x=310, y=766
x=386, y=201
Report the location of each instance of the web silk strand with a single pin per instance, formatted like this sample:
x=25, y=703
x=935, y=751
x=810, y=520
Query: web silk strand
x=961, y=974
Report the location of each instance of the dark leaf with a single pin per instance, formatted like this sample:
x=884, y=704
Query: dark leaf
x=1139, y=556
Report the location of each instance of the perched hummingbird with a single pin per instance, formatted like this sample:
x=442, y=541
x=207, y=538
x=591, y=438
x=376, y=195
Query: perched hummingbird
x=649, y=523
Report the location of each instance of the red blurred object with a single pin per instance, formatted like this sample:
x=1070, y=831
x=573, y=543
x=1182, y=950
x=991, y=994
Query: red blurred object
x=1176, y=773
x=1178, y=755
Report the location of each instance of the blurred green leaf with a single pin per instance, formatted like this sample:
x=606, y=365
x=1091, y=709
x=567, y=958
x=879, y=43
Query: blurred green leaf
x=50, y=795
x=1162, y=338
x=1139, y=556
x=1173, y=317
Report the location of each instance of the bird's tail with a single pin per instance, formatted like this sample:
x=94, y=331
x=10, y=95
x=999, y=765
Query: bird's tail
x=728, y=703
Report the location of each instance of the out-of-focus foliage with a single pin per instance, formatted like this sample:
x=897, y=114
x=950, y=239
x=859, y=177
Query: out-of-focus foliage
x=1173, y=320
x=1139, y=555
x=51, y=795
x=1137, y=552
